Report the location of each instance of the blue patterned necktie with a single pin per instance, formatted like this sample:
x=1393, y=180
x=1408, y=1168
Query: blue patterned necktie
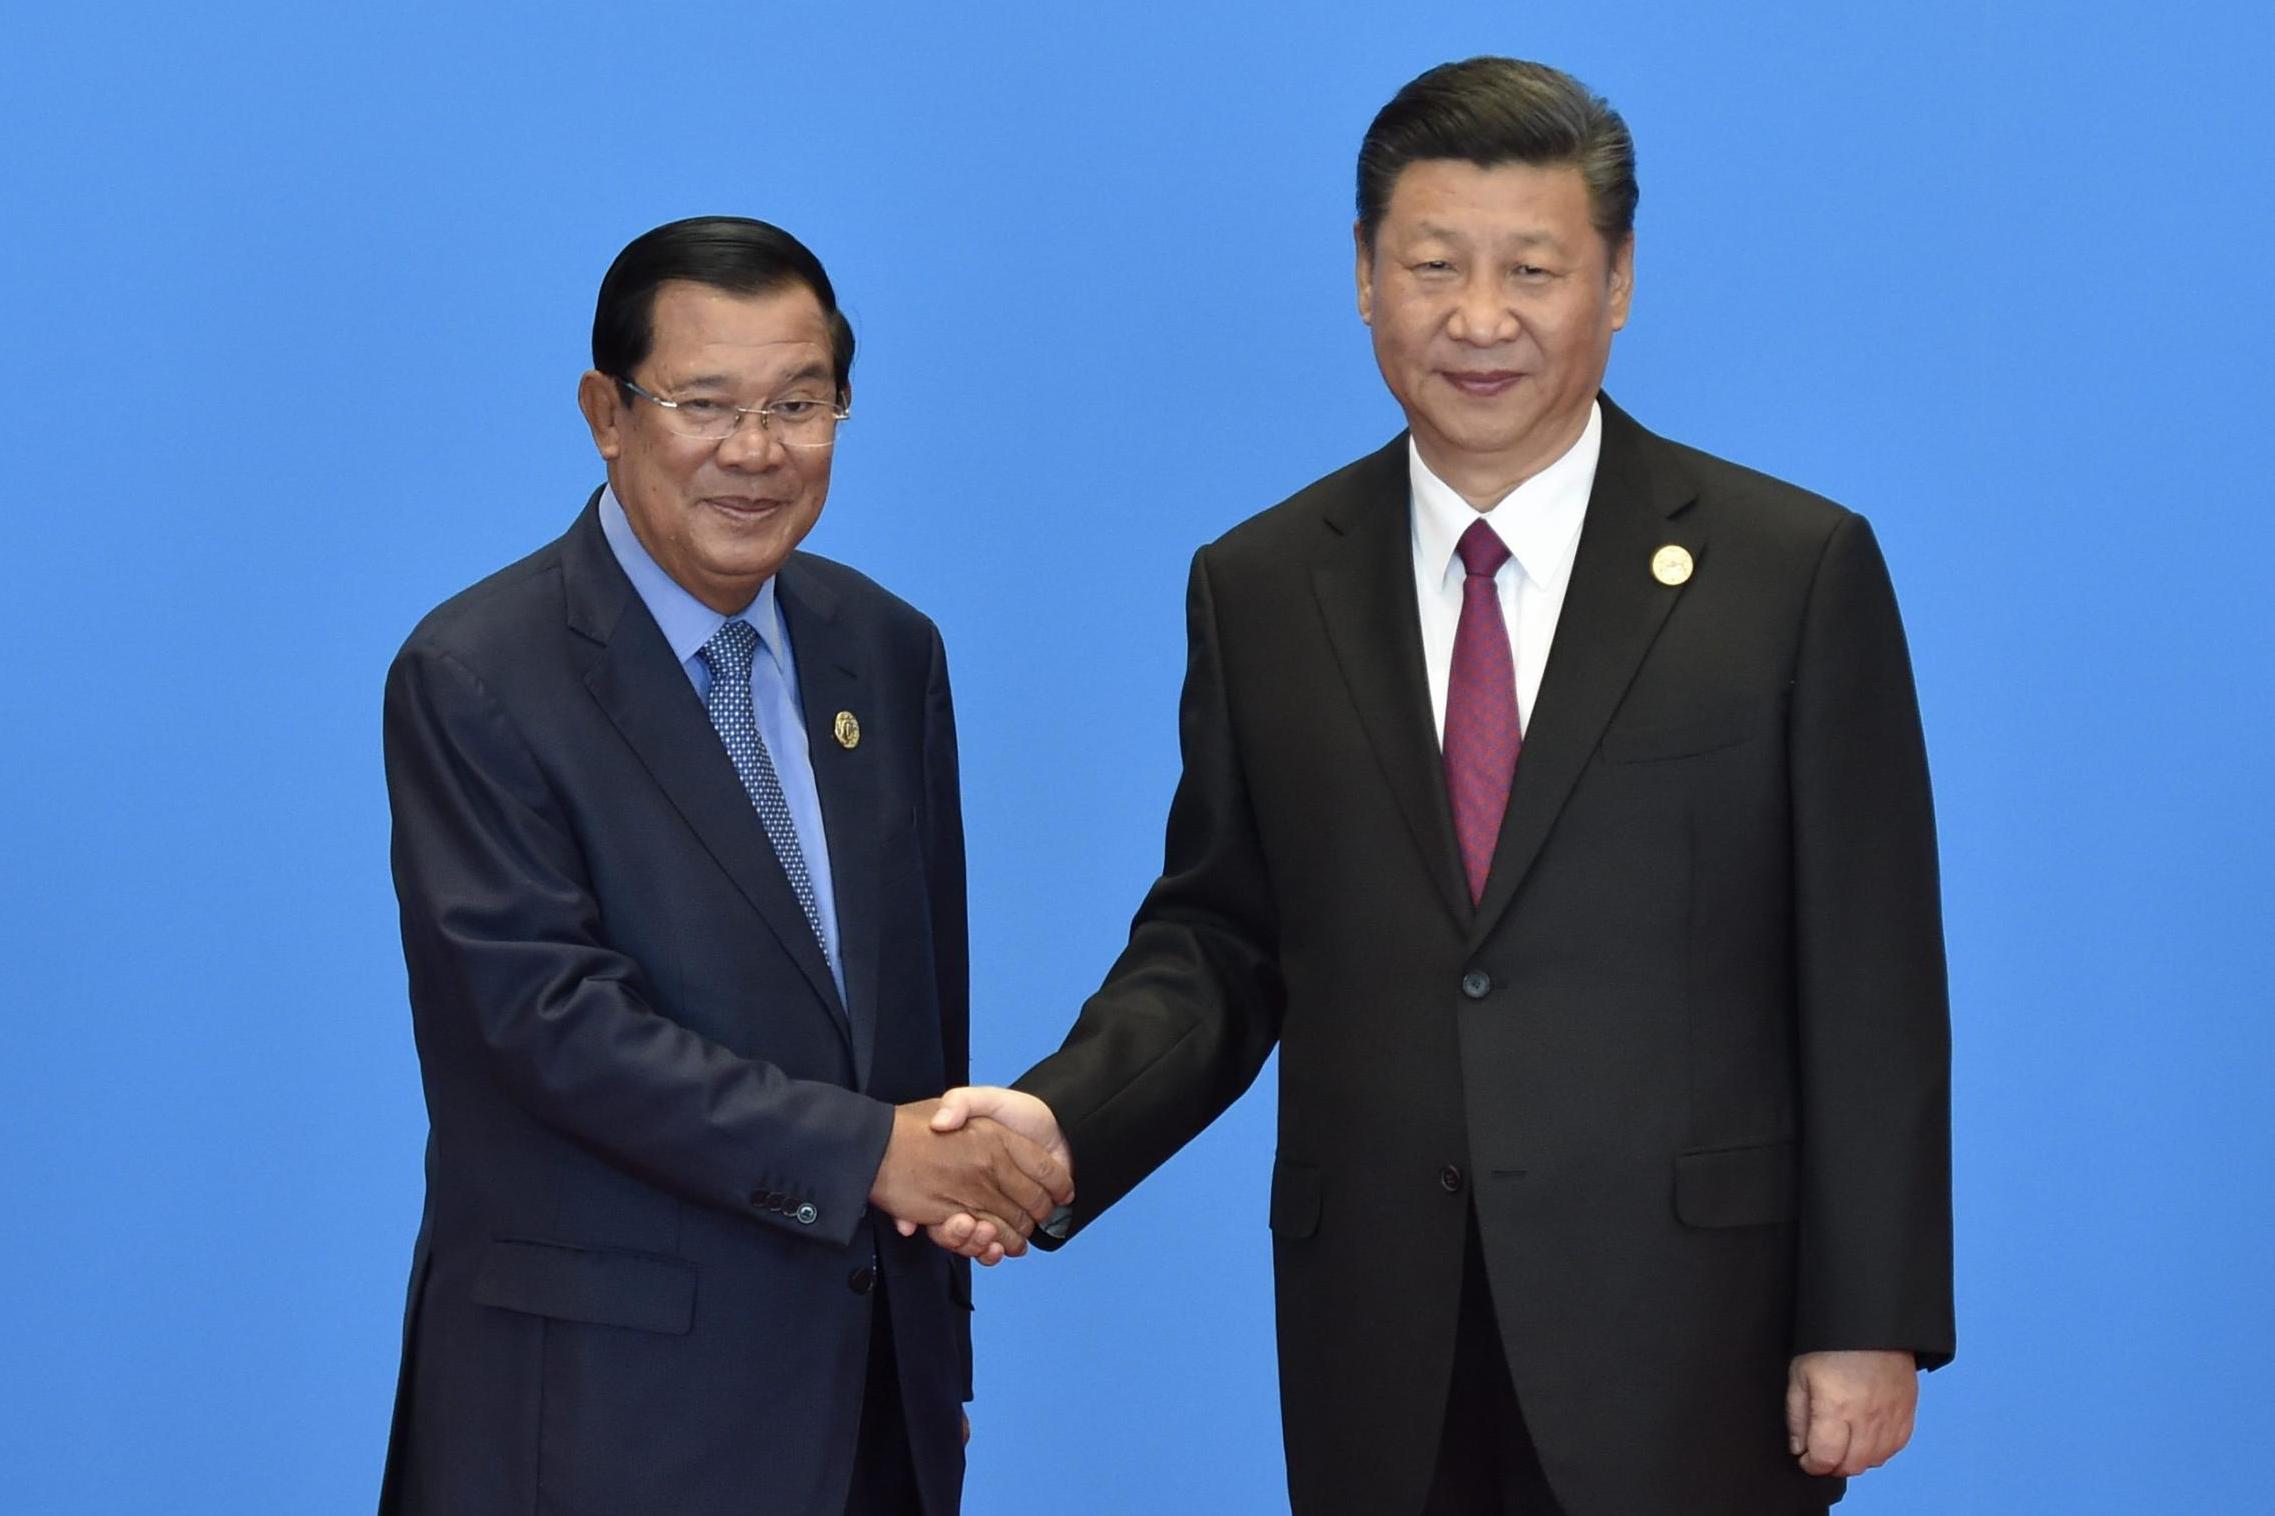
x=728, y=656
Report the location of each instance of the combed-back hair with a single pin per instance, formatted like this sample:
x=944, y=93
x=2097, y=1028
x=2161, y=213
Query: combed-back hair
x=1490, y=111
x=731, y=253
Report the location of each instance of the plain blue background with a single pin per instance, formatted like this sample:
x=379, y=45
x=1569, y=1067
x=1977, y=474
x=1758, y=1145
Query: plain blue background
x=294, y=305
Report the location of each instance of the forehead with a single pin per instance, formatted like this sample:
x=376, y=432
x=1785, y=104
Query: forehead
x=1526, y=201
x=698, y=331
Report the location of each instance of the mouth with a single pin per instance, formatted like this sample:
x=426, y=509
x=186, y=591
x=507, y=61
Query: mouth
x=741, y=507
x=1480, y=382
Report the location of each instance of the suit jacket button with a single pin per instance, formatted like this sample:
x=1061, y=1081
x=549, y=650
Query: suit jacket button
x=1477, y=984
x=1449, y=1179
x=863, y=1280
x=807, y=1215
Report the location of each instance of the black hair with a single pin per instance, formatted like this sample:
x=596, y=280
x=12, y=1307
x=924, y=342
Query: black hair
x=1489, y=111
x=731, y=253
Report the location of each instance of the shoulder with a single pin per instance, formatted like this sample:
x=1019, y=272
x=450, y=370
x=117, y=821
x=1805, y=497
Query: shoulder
x=1772, y=535
x=497, y=616
x=1727, y=496
x=1751, y=499
x=1376, y=482
x=834, y=607
x=856, y=599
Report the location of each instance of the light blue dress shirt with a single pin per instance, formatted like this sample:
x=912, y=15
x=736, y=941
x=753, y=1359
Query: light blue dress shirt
x=687, y=623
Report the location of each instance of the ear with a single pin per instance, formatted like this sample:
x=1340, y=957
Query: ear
x=603, y=407
x=1622, y=281
x=1365, y=257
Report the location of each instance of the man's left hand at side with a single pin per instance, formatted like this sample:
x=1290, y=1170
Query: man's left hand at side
x=1846, y=1412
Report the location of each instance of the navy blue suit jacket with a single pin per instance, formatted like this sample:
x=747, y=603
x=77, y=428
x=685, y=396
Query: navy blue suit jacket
x=638, y=1281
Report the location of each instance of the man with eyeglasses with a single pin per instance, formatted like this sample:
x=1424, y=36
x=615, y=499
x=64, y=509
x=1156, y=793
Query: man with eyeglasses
x=680, y=859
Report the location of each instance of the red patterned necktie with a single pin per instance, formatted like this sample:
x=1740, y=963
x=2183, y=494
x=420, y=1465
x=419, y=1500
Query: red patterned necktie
x=1482, y=735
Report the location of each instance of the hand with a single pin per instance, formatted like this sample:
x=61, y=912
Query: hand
x=976, y=1236
x=1848, y=1412
x=980, y=1172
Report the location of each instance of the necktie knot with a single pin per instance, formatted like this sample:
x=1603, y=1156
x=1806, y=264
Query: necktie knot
x=1481, y=550
x=729, y=650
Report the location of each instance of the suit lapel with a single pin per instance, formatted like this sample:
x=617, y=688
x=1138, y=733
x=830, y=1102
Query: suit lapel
x=1613, y=610
x=847, y=781
x=646, y=693
x=1364, y=581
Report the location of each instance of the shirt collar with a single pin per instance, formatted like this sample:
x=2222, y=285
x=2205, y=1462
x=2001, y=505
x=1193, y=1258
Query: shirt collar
x=686, y=622
x=1539, y=520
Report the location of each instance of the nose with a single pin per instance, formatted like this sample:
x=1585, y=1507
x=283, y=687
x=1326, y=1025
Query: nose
x=1482, y=315
x=751, y=445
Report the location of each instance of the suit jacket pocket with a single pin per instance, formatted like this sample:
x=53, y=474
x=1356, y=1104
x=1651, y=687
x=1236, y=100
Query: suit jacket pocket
x=647, y=1292
x=1651, y=743
x=1728, y=1187
x=1296, y=1192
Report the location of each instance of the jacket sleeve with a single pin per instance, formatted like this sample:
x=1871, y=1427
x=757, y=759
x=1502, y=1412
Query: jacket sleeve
x=1192, y=1008
x=509, y=967
x=1874, y=1034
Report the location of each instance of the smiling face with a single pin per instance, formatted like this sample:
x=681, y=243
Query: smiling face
x=1492, y=299
x=719, y=517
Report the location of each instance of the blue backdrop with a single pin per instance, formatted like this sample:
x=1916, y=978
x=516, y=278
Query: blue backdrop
x=294, y=303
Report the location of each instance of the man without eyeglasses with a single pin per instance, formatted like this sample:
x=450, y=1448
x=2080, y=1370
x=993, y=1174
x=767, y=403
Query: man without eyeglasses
x=1554, y=800
x=680, y=859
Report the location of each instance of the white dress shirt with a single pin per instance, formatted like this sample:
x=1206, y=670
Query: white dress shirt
x=1539, y=520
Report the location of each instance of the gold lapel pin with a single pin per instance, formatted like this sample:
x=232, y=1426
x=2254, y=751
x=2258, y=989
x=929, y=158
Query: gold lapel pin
x=848, y=731
x=1671, y=565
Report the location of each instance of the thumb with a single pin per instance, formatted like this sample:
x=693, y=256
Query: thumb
x=1796, y=1414
x=954, y=1109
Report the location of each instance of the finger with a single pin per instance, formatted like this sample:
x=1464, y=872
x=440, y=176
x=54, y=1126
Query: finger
x=966, y=1237
x=1879, y=1439
x=905, y=1228
x=1009, y=1237
x=954, y=1108
x=1010, y=1191
x=1796, y=1414
x=1828, y=1442
x=1042, y=1166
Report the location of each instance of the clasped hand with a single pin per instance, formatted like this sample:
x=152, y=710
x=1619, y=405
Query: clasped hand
x=987, y=1231
x=978, y=1184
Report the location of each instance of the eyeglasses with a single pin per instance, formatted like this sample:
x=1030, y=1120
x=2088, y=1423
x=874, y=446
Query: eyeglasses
x=794, y=421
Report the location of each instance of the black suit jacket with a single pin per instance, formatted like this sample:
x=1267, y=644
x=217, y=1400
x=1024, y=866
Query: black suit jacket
x=1687, y=1059
x=637, y=1284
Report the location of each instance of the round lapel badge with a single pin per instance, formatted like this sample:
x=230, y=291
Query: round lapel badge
x=848, y=731
x=1671, y=565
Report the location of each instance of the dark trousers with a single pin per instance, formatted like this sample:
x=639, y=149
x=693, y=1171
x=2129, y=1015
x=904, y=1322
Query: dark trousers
x=884, y=1472
x=1486, y=1462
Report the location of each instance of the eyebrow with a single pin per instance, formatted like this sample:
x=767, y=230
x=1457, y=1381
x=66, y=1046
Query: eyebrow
x=1523, y=239
x=812, y=370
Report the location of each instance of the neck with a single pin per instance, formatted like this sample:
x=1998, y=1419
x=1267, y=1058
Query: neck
x=1484, y=480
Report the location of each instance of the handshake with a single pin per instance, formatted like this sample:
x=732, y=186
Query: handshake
x=977, y=1169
